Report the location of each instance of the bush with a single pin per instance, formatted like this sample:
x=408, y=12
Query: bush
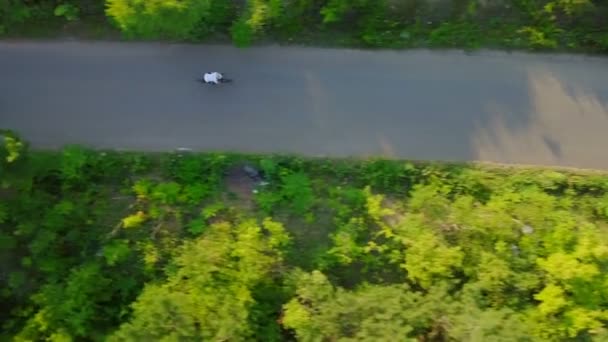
x=529, y=24
x=537, y=39
x=68, y=11
x=169, y=19
x=460, y=34
x=13, y=13
x=242, y=33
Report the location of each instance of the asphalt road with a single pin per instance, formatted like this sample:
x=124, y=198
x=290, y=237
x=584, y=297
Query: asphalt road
x=490, y=106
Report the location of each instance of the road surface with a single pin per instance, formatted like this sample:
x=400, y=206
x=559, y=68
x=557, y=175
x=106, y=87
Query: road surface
x=422, y=105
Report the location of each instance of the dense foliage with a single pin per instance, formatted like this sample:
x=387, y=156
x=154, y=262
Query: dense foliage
x=185, y=247
x=530, y=24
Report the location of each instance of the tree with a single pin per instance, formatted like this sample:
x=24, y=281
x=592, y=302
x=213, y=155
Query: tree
x=470, y=323
x=374, y=313
x=427, y=257
x=322, y=312
x=70, y=309
x=172, y=19
x=211, y=292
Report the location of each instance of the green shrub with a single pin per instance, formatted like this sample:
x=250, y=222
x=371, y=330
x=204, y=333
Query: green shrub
x=459, y=34
x=334, y=11
x=256, y=19
x=116, y=251
x=74, y=163
x=572, y=24
x=14, y=13
x=536, y=38
x=388, y=176
x=298, y=191
x=290, y=18
x=69, y=11
x=242, y=33
x=569, y=7
x=596, y=41
x=12, y=147
x=169, y=19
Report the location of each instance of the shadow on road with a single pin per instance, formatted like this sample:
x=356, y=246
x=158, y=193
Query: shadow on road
x=564, y=128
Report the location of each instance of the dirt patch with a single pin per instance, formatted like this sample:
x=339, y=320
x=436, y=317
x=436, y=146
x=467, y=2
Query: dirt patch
x=240, y=187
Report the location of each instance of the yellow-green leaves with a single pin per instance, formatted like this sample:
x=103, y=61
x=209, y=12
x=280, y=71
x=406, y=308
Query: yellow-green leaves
x=427, y=258
x=570, y=7
x=210, y=293
x=493, y=273
x=565, y=267
x=134, y=221
x=14, y=147
x=142, y=189
x=374, y=205
x=586, y=320
x=552, y=299
x=296, y=316
x=158, y=18
x=116, y=251
x=278, y=237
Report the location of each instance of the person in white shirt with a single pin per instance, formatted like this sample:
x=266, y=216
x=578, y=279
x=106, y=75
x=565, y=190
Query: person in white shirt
x=212, y=77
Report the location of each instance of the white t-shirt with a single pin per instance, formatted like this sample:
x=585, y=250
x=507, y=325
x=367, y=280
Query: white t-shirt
x=213, y=77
